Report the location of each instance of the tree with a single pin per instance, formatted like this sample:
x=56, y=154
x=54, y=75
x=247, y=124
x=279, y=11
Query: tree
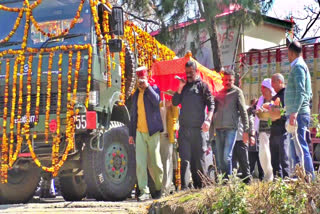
x=309, y=14
x=170, y=12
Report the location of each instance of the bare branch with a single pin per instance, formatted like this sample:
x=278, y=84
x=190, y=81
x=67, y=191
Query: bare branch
x=311, y=23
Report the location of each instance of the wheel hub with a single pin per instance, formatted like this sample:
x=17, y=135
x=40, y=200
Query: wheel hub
x=116, y=162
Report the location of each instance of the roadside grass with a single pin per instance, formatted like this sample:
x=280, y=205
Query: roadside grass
x=233, y=196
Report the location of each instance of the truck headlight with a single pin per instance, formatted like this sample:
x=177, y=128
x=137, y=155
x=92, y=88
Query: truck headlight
x=94, y=98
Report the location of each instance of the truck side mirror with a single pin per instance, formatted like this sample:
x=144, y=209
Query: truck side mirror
x=115, y=45
x=117, y=23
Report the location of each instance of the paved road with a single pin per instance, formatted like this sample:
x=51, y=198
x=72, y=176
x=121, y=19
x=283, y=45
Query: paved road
x=59, y=206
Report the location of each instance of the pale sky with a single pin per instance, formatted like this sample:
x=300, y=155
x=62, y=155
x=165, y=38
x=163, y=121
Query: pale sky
x=283, y=8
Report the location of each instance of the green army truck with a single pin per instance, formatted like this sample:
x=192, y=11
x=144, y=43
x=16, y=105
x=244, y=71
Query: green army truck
x=62, y=95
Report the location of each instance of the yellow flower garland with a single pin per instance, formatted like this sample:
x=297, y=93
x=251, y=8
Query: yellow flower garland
x=13, y=103
x=15, y=27
x=48, y=100
x=4, y=147
x=65, y=31
x=38, y=88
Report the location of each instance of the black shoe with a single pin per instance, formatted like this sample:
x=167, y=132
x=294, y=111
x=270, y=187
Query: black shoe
x=157, y=194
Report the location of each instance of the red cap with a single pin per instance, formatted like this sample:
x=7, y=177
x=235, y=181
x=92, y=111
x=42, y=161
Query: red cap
x=142, y=71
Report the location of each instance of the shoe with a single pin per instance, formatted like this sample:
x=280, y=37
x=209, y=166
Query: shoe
x=157, y=194
x=143, y=197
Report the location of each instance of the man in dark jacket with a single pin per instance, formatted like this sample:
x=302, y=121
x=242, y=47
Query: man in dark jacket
x=144, y=130
x=194, y=96
x=279, y=146
x=230, y=104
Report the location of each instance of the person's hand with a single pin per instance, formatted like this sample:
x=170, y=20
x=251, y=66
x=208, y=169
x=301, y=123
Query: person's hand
x=143, y=84
x=131, y=140
x=275, y=113
x=181, y=85
x=252, y=140
x=205, y=126
x=293, y=119
x=245, y=137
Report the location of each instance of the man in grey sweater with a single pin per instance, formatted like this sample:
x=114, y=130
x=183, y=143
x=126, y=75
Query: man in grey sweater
x=230, y=104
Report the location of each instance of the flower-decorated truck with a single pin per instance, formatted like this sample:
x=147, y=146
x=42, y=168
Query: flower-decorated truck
x=66, y=72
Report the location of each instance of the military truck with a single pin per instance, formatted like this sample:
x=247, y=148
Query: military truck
x=66, y=73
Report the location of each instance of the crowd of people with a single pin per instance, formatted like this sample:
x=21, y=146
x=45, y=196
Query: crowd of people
x=242, y=135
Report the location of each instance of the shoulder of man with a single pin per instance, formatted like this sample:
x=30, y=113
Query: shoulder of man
x=237, y=90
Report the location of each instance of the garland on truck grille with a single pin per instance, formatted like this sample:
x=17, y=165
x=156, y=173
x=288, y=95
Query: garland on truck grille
x=146, y=46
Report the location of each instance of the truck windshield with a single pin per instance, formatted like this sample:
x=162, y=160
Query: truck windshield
x=51, y=17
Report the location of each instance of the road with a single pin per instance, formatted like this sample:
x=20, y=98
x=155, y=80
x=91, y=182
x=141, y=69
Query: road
x=59, y=206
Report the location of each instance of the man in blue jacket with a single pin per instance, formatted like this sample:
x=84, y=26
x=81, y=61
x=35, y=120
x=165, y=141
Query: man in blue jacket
x=144, y=130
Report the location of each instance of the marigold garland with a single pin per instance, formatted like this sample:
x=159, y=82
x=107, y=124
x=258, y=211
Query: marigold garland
x=65, y=31
x=9, y=9
x=4, y=146
x=96, y=20
x=48, y=100
x=123, y=67
x=26, y=27
x=38, y=87
x=15, y=27
x=13, y=103
x=56, y=142
x=89, y=75
x=106, y=38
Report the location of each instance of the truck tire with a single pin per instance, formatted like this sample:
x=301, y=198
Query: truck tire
x=115, y=167
x=88, y=171
x=21, y=186
x=73, y=188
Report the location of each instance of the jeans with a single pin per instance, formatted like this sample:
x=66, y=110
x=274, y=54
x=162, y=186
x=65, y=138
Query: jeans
x=225, y=141
x=303, y=121
x=279, y=148
x=240, y=155
x=253, y=160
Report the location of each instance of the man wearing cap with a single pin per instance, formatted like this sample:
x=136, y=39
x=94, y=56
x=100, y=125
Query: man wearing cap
x=297, y=99
x=144, y=130
x=194, y=96
x=263, y=130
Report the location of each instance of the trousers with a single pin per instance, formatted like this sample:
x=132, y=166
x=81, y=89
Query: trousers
x=192, y=147
x=166, y=151
x=253, y=160
x=225, y=141
x=240, y=155
x=299, y=148
x=265, y=156
x=148, y=157
x=279, y=148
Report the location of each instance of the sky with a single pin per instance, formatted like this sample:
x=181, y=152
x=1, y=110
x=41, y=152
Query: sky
x=283, y=8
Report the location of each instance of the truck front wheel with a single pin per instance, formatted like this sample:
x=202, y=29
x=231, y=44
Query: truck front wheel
x=114, y=167
x=20, y=187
